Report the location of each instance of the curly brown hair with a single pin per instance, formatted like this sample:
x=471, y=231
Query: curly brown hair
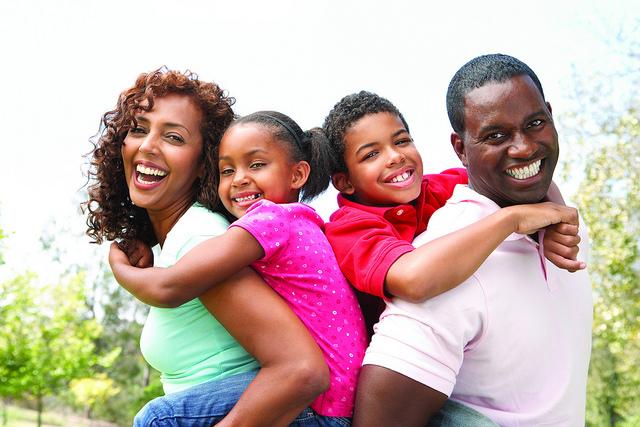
x=110, y=213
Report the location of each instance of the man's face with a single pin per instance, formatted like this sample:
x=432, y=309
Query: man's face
x=510, y=144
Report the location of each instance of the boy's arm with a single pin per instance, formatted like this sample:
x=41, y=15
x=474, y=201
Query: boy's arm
x=208, y=263
x=293, y=371
x=443, y=263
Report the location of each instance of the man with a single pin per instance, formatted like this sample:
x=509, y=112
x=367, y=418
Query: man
x=513, y=341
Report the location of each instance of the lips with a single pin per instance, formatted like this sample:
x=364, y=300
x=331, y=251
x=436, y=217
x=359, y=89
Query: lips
x=401, y=177
x=525, y=172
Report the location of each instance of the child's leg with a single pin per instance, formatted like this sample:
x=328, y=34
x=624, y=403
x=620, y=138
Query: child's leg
x=201, y=405
x=455, y=414
x=309, y=418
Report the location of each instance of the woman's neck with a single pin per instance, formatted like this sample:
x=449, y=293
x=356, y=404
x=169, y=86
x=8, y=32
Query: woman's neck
x=163, y=220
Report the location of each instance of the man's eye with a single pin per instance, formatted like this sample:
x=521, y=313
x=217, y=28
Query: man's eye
x=535, y=123
x=496, y=136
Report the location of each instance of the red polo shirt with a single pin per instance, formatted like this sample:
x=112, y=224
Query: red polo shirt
x=367, y=240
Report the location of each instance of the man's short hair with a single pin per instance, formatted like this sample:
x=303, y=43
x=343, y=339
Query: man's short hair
x=477, y=73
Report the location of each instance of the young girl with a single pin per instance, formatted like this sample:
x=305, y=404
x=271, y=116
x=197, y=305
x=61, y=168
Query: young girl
x=265, y=163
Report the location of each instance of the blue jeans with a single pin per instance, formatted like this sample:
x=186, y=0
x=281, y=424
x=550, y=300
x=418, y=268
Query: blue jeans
x=454, y=414
x=206, y=404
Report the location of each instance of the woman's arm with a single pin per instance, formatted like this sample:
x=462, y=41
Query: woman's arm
x=208, y=263
x=293, y=372
x=444, y=263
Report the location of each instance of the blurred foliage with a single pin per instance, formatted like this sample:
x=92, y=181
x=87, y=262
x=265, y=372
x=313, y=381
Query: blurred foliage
x=604, y=152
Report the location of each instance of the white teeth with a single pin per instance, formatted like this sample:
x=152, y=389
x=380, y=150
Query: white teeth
x=246, y=198
x=525, y=172
x=401, y=178
x=149, y=171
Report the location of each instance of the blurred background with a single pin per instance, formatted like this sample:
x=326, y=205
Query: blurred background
x=69, y=335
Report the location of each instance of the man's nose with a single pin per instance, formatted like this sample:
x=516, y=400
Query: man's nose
x=522, y=146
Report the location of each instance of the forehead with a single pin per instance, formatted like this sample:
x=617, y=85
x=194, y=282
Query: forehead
x=373, y=127
x=246, y=137
x=512, y=99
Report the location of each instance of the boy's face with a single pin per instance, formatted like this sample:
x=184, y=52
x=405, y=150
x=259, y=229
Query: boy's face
x=384, y=166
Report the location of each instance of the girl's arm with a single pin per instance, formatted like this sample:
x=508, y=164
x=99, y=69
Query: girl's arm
x=210, y=262
x=293, y=372
x=444, y=263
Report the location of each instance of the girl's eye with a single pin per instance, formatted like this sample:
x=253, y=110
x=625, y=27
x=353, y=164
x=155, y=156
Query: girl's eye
x=257, y=165
x=226, y=171
x=370, y=155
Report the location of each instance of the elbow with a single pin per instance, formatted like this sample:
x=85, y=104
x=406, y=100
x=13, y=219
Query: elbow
x=312, y=377
x=165, y=299
x=410, y=287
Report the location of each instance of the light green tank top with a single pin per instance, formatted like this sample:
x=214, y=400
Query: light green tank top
x=187, y=344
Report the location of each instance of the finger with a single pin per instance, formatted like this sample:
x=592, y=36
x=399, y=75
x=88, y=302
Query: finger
x=564, y=228
x=562, y=239
x=566, y=264
x=568, y=252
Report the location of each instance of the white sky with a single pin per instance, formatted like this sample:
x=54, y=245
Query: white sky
x=65, y=62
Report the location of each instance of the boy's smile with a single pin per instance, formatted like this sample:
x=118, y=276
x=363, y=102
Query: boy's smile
x=383, y=164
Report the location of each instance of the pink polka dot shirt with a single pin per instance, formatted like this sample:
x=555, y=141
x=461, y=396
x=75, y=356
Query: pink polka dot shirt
x=300, y=265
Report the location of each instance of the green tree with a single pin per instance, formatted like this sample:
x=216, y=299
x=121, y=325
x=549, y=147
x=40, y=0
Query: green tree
x=605, y=140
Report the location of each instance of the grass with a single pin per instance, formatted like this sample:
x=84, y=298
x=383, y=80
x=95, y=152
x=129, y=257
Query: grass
x=21, y=417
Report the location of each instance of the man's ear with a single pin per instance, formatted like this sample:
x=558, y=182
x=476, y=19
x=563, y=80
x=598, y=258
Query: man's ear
x=301, y=172
x=341, y=182
x=458, y=147
x=549, y=107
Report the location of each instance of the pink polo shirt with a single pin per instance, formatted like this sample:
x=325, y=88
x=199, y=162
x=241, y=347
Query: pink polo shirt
x=300, y=265
x=512, y=342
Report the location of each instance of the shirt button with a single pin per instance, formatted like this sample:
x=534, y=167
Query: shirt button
x=399, y=212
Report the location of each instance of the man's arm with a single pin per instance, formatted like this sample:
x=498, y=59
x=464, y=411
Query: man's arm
x=205, y=265
x=293, y=371
x=388, y=398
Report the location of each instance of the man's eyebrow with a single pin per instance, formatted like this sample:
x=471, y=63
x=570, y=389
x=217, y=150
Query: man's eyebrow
x=536, y=114
x=489, y=128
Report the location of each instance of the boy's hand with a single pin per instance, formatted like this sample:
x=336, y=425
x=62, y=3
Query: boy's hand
x=530, y=218
x=561, y=246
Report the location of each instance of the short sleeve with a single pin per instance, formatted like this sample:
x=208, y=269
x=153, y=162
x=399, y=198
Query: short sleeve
x=267, y=222
x=426, y=341
x=365, y=246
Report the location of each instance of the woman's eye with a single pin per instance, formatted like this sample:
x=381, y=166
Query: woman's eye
x=137, y=129
x=175, y=138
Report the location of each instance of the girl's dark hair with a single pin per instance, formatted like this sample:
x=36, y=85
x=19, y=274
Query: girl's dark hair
x=311, y=146
x=110, y=213
x=345, y=113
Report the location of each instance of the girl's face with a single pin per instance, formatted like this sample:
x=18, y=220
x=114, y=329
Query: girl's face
x=383, y=164
x=162, y=155
x=255, y=166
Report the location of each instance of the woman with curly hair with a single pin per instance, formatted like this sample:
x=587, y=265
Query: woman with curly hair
x=154, y=180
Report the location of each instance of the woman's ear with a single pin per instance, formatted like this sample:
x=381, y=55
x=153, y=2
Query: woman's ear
x=341, y=182
x=301, y=171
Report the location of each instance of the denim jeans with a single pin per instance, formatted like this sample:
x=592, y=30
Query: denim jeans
x=454, y=414
x=206, y=404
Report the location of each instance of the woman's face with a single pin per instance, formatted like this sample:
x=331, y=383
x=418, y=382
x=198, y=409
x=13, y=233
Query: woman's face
x=162, y=155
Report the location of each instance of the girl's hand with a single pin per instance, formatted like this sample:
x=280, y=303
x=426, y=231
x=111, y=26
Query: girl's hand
x=561, y=246
x=139, y=253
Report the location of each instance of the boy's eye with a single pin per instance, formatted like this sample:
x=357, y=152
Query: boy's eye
x=404, y=141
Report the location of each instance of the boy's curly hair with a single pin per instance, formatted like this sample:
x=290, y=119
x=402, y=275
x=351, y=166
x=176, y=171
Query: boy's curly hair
x=345, y=113
x=110, y=213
